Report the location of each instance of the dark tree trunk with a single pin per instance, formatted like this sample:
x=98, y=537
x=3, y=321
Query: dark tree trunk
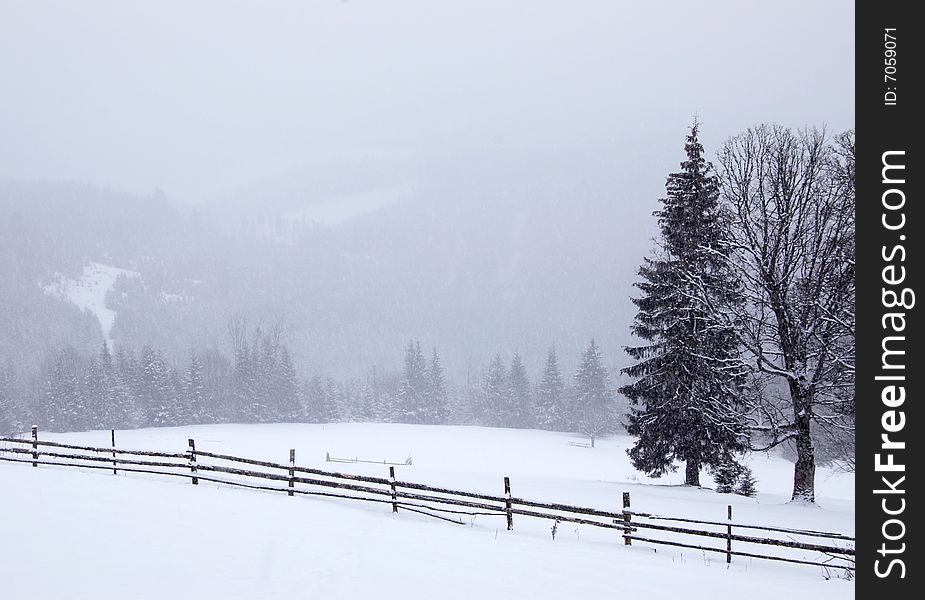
x=804, y=471
x=692, y=473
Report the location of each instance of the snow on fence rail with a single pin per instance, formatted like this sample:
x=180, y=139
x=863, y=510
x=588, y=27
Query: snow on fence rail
x=833, y=550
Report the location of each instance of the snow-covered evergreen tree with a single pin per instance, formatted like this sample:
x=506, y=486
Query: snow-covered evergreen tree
x=195, y=388
x=689, y=376
x=126, y=400
x=9, y=421
x=158, y=389
x=550, y=396
x=436, y=391
x=593, y=400
x=519, y=409
x=495, y=394
x=95, y=395
x=332, y=403
x=412, y=394
x=63, y=407
x=285, y=387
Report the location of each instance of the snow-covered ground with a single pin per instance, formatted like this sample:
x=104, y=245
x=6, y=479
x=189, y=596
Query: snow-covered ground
x=73, y=534
x=89, y=292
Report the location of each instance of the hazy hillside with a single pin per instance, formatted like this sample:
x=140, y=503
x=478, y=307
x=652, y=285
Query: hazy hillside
x=352, y=274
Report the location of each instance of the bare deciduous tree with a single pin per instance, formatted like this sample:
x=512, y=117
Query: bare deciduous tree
x=791, y=202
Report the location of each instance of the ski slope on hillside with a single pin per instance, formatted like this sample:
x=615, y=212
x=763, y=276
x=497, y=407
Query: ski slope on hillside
x=89, y=292
x=139, y=536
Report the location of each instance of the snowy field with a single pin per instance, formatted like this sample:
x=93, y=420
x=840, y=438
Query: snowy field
x=71, y=533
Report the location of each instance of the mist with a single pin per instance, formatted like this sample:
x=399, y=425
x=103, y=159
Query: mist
x=208, y=101
x=477, y=176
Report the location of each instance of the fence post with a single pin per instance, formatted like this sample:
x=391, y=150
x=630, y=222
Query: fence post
x=192, y=461
x=729, y=534
x=35, y=446
x=113, y=431
x=394, y=490
x=507, y=503
x=291, y=470
x=627, y=517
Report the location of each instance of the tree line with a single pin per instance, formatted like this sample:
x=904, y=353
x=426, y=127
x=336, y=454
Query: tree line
x=258, y=383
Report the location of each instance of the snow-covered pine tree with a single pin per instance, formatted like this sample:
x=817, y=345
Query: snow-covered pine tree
x=177, y=409
x=550, y=396
x=367, y=405
x=726, y=475
x=331, y=401
x=108, y=414
x=495, y=394
x=313, y=400
x=688, y=377
x=285, y=387
x=195, y=391
x=747, y=484
x=8, y=420
x=348, y=401
x=69, y=399
x=593, y=400
x=127, y=390
x=412, y=393
x=157, y=389
x=95, y=394
x=436, y=391
x=519, y=409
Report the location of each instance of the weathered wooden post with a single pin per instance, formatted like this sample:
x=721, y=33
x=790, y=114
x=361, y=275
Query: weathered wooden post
x=729, y=534
x=113, y=431
x=192, y=461
x=507, y=503
x=291, y=470
x=35, y=446
x=394, y=490
x=627, y=517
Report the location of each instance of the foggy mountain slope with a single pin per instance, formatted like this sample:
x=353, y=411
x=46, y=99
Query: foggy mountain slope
x=519, y=262
x=471, y=268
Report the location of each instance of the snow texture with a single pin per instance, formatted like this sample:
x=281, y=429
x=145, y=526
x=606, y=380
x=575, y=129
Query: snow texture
x=94, y=535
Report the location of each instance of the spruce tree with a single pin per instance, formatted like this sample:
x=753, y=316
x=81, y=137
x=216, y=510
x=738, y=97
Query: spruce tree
x=688, y=376
x=110, y=404
x=196, y=392
x=285, y=387
x=8, y=420
x=436, y=391
x=593, y=400
x=313, y=409
x=127, y=390
x=368, y=407
x=412, y=394
x=158, y=389
x=550, y=396
x=519, y=410
x=334, y=404
x=495, y=394
x=95, y=394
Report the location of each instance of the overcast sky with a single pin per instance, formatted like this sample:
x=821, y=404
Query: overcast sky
x=203, y=98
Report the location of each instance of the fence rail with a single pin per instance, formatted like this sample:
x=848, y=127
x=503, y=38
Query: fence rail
x=831, y=550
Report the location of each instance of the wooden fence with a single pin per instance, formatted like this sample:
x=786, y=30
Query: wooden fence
x=800, y=546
